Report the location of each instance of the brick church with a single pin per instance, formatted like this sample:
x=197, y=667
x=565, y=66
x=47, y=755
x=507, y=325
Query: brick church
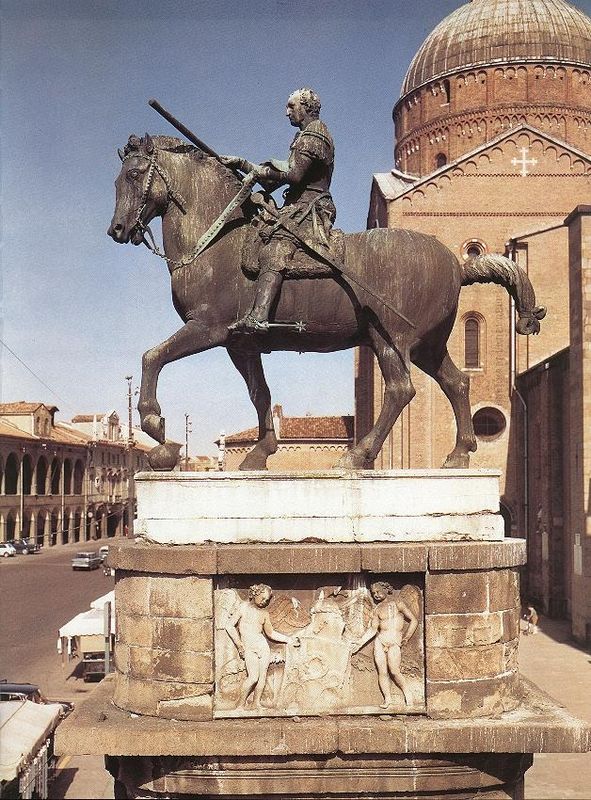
x=493, y=154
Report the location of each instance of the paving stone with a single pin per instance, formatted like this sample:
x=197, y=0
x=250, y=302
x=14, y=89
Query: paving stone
x=477, y=555
x=181, y=597
x=462, y=630
x=397, y=557
x=132, y=593
x=265, y=559
x=182, y=634
x=134, y=629
x=464, y=663
x=511, y=623
x=164, y=559
x=503, y=589
x=456, y=592
x=472, y=698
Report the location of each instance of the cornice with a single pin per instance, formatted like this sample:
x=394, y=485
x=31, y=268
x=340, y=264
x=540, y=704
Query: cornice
x=487, y=112
x=484, y=66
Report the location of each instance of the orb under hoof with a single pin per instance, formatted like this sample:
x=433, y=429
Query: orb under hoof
x=164, y=456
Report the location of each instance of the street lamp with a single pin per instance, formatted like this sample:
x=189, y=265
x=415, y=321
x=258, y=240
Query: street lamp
x=129, y=450
x=188, y=430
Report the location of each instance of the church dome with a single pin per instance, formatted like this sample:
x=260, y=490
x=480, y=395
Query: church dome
x=485, y=32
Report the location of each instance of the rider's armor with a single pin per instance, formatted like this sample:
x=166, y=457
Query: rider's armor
x=308, y=207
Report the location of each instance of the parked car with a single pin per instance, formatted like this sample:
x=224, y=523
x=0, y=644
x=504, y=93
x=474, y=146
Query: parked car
x=86, y=560
x=6, y=550
x=103, y=552
x=24, y=546
x=30, y=691
x=31, y=544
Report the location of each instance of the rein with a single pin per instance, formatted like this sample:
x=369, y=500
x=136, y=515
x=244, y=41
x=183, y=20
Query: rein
x=178, y=199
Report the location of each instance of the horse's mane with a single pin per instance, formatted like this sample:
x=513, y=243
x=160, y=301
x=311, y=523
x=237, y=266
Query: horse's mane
x=172, y=144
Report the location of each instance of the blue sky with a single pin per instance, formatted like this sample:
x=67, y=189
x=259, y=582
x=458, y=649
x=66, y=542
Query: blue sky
x=80, y=310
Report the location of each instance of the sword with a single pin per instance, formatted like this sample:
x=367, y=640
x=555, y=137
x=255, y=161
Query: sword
x=259, y=200
x=210, y=234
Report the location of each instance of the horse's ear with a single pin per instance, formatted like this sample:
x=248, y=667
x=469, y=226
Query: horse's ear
x=149, y=144
x=120, y=153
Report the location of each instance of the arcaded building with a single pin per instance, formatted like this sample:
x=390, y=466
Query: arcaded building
x=64, y=482
x=492, y=153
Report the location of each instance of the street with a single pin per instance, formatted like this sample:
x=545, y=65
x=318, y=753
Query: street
x=39, y=594
x=42, y=592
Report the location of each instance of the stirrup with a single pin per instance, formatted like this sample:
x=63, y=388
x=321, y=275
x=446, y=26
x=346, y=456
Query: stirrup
x=248, y=325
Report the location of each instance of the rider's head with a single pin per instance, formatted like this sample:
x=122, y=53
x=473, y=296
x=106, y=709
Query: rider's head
x=309, y=99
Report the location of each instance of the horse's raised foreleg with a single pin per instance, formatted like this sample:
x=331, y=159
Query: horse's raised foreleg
x=192, y=338
x=249, y=365
x=398, y=393
x=456, y=387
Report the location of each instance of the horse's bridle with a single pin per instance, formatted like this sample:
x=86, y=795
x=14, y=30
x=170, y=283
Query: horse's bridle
x=177, y=198
x=171, y=194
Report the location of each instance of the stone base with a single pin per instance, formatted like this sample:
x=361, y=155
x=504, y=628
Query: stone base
x=385, y=757
x=490, y=777
x=170, y=647
x=324, y=575
x=332, y=506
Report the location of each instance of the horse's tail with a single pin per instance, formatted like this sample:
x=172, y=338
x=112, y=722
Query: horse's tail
x=498, y=269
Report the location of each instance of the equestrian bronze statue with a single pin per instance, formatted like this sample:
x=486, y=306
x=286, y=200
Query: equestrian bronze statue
x=393, y=290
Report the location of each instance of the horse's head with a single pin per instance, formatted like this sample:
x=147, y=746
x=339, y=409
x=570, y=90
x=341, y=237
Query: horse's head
x=142, y=191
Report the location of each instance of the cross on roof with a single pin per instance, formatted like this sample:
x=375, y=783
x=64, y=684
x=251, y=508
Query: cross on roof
x=524, y=162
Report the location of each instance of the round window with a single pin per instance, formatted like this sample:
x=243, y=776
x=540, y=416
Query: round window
x=473, y=248
x=489, y=423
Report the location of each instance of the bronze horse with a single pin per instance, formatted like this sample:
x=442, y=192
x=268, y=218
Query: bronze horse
x=417, y=276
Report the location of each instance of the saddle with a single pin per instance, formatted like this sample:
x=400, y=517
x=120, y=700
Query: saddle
x=304, y=263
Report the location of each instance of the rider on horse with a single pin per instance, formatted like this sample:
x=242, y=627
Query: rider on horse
x=308, y=208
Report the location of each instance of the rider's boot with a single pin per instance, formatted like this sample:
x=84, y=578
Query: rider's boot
x=257, y=319
x=274, y=258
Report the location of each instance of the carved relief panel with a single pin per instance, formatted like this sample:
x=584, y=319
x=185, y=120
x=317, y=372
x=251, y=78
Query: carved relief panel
x=303, y=645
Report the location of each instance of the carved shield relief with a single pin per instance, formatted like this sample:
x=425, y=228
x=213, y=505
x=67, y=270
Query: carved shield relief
x=304, y=645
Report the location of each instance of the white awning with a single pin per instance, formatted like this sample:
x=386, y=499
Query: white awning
x=100, y=602
x=24, y=727
x=87, y=623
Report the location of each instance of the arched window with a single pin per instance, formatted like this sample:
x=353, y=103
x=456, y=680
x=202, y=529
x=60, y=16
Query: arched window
x=472, y=343
x=40, y=528
x=56, y=474
x=53, y=528
x=11, y=526
x=67, y=476
x=41, y=476
x=11, y=475
x=440, y=160
x=27, y=474
x=78, y=477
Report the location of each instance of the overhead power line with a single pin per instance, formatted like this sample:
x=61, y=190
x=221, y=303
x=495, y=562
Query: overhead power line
x=42, y=382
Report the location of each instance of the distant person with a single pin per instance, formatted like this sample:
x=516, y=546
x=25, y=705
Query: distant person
x=530, y=615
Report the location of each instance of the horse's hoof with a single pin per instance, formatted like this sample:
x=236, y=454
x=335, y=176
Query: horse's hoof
x=352, y=461
x=164, y=456
x=253, y=463
x=153, y=425
x=458, y=461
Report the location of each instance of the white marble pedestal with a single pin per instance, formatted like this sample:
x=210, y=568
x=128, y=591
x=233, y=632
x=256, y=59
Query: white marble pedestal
x=329, y=506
